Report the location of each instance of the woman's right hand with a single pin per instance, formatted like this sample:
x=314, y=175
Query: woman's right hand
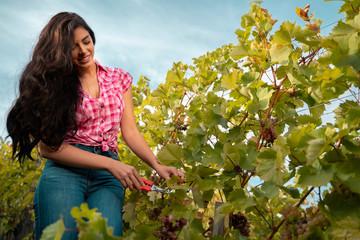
x=76, y=157
x=126, y=174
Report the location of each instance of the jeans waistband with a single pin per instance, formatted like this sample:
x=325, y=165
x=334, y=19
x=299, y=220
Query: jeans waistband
x=95, y=149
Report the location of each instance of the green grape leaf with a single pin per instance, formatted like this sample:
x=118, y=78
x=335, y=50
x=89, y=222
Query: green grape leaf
x=208, y=184
x=145, y=231
x=315, y=149
x=347, y=228
x=351, y=146
x=129, y=213
x=198, y=198
x=247, y=162
x=337, y=206
x=353, y=117
x=250, y=77
x=268, y=166
x=239, y=52
x=311, y=176
x=203, y=171
x=255, y=105
x=293, y=192
x=54, y=231
x=171, y=154
x=270, y=189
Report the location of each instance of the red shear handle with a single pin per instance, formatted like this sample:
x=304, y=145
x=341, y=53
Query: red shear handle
x=147, y=182
x=146, y=188
x=148, y=185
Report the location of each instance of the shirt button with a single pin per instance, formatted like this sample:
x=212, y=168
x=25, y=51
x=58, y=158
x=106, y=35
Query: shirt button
x=102, y=106
x=101, y=135
x=102, y=121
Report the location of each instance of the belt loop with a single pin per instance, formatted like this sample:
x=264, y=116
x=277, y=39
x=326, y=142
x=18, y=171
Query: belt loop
x=96, y=149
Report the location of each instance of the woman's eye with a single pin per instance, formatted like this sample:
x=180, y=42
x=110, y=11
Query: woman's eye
x=87, y=42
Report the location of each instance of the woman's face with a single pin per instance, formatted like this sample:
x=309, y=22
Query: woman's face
x=83, y=49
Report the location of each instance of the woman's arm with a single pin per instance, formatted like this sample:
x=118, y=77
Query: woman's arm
x=137, y=143
x=75, y=157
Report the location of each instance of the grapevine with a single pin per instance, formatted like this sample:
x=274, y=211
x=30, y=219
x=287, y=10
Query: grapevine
x=245, y=122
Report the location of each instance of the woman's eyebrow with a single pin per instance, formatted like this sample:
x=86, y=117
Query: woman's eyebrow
x=85, y=37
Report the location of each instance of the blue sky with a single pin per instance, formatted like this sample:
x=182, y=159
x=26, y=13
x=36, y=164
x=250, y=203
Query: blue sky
x=144, y=37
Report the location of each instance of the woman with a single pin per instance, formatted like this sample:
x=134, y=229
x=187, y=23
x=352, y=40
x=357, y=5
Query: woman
x=71, y=107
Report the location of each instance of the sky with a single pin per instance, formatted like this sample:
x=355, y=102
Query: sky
x=143, y=37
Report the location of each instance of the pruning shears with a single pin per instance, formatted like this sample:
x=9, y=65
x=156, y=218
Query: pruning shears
x=150, y=186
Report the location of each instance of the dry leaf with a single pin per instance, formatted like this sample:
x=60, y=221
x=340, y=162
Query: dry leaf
x=303, y=13
x=273, y=21
x=312, y=26
x=265, y=11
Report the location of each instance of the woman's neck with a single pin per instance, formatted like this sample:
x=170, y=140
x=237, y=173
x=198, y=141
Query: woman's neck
x=89, y=81
x=87, y=73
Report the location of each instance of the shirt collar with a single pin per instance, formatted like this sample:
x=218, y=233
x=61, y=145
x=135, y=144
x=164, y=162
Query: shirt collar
x=99, y=66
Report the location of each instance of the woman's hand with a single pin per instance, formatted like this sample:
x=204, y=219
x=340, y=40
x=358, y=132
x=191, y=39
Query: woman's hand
x=127, y=175
x=166, y=172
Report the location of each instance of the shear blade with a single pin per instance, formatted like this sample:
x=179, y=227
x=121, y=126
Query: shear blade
x=158, y=189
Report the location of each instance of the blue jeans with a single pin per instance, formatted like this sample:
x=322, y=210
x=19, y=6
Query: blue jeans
x=62, y=187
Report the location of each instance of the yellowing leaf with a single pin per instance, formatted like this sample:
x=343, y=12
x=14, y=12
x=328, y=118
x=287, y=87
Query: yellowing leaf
x=280, y=53
x=229, y=81
x=153, y=196
x=175, y=76
x=303, y=13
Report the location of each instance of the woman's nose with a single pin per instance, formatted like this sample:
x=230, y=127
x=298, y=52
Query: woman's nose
x=82, y=49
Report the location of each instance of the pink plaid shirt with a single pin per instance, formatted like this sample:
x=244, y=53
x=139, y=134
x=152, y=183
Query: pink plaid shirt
x=98, y=119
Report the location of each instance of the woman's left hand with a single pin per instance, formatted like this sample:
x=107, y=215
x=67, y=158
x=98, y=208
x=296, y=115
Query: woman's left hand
x=166, y=172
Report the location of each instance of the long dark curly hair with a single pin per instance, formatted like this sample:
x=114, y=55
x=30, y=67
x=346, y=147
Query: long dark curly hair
x=48, y=89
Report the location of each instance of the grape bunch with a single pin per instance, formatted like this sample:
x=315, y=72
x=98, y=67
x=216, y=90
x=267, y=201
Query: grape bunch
x=291, y=212
x=240, y=222
x=168, y=228
x=179, y=125
x=299, y=223
x=153, y=214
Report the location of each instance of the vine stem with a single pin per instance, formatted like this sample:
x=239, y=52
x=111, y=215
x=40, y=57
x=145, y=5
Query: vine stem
x=296, y=158
x=243, y=120
x=270, y=108
x=186, y=105
x=313, y=54
x=247, y=180
x=284, y=219
x=180, y=110
x=222, y=200
x=263, y=217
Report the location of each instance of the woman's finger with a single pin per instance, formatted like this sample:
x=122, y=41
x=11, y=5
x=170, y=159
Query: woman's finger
x=123, y=183
x=181, y=174
x=136, y=183
x=128, y=183
x=138, y=177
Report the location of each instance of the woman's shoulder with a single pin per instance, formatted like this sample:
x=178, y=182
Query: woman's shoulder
x=114, y=73
x=116, y=77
